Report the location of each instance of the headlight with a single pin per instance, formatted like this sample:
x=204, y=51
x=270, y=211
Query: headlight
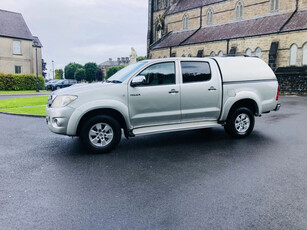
x=62, y=101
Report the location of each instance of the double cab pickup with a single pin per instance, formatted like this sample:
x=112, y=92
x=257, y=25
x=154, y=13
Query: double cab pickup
x=166, y=95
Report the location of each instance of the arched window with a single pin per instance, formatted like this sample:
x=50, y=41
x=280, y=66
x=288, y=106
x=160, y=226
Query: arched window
x=190, y=55
x=166, y=3
x=212, y=54
x=183, y=55
x=248, y=52
x=185, y=22
x=210, y=17
x=156, y=5
x=258, y=52
x=274, y=5
x=293, y=54
x=221, y=54
x=160, y=4
x=239, y=10
x=305, y=54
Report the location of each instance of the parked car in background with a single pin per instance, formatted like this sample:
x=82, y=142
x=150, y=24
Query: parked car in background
x=49, y=84
x=63, y=84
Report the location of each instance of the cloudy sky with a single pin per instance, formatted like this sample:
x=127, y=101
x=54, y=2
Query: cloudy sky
x=84, y=30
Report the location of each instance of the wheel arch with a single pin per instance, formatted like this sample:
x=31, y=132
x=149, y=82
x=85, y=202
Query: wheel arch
x=103, y=111
x=248, y=103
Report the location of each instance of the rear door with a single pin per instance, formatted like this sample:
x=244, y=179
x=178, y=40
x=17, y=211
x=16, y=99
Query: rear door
x=157, y=101
x=200, y=91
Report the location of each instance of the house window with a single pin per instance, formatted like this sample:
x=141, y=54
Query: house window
x=210, y=17
x=185, y=22
x=293, y=54
x=239, y=10
x=17, y=69
x=220, y=54
x=258, y=52
x=248, y=52
x=17, y=47
x=274, y=5
x=305, y=54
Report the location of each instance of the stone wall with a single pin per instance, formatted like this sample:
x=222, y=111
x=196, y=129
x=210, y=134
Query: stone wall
x=292, y=79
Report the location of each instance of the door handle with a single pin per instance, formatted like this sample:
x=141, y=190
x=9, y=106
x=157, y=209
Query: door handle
x=173, y=91
x=212, y=88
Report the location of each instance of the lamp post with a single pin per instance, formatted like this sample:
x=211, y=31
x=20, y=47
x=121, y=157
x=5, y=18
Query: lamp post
x=53, y=69
x=35, y=44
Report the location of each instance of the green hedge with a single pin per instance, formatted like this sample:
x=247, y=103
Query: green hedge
x=20, y=82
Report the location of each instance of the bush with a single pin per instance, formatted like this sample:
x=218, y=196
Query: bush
x=20, y=82
x=112, y=70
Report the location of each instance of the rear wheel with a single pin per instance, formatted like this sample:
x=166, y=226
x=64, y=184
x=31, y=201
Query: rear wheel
x=240, y=123
x=101, y=134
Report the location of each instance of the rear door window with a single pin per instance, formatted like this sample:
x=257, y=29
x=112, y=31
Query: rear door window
x=195, y=71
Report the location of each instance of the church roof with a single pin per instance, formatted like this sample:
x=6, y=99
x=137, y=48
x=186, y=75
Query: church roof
x=174, y=39
x=297, y=22
x=245, y=28
x=13, y=25
x=184, y=5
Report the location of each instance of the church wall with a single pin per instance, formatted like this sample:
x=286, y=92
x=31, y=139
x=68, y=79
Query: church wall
x=174, y=22
x=264, y=42
x=302, y=4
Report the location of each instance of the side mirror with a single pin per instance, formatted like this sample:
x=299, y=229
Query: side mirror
x=138, y=80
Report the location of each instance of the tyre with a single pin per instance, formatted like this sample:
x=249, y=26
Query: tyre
x=240, y=123
x=101, y=134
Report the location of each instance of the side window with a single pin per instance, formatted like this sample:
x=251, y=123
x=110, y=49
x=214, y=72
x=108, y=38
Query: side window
x=195, y=71
x=160, y=74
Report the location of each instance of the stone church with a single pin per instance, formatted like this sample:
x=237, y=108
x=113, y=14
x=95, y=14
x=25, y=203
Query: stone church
x=274, y=30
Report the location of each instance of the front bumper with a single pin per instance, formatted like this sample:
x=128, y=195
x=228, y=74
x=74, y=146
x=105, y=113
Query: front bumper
x=277, y=107
x=57, y=119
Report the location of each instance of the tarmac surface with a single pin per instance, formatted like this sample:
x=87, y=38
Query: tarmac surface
x=200, y=179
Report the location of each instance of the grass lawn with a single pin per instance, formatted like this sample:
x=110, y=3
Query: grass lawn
x=23, y=92
x=37, y=110
x=25, y=105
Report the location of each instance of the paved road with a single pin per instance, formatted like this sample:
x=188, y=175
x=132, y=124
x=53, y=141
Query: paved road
x=188, y=180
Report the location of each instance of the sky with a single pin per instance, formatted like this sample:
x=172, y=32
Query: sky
x=84, y=30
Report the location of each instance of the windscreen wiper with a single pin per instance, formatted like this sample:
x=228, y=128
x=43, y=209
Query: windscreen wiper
x=114, y=81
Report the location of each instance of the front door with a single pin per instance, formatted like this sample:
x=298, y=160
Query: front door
x=157, y=100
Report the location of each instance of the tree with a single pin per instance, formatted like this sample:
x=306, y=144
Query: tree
x=59, y=74
x=91, y=69
x=141, y=58
x=70, y=70
x=99, y=75
x=112, y=70
x=80, y=74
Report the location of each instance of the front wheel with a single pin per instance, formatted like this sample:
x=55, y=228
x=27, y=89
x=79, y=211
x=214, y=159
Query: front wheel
x=101, y=134
x=240, y=123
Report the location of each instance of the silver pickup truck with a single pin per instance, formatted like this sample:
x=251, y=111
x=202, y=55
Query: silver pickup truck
x=165, y=95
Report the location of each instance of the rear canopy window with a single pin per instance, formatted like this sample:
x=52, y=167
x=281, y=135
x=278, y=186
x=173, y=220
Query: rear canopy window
x=195, y=71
